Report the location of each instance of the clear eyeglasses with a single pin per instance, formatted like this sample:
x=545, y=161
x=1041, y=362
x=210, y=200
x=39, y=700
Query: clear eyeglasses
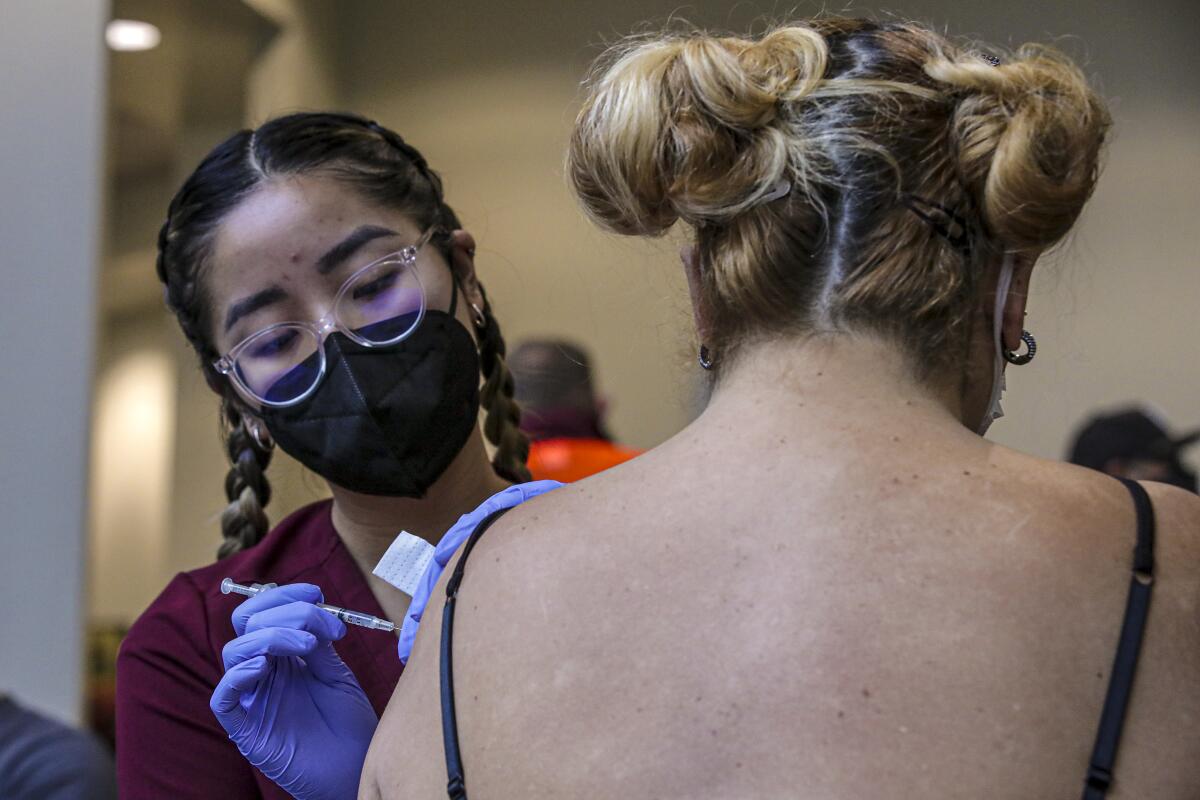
x=379, y=305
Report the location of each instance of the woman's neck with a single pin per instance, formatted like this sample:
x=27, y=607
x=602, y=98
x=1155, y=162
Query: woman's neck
x=367, y=524
x=830, y=381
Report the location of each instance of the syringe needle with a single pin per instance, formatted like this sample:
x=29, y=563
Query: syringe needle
x=344, y=614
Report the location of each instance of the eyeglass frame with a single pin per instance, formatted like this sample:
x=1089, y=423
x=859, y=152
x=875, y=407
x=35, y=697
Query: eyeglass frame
x=328, y=324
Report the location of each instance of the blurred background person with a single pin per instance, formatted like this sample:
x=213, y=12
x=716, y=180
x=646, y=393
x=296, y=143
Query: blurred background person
x=1134, y=443
x=42, y=759
x=561, y=412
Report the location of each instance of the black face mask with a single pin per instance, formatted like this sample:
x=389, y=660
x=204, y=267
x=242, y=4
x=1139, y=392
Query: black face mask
x=386, y=420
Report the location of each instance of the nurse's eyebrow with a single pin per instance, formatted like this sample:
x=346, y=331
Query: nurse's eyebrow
x=251, y=304
x=347, y=247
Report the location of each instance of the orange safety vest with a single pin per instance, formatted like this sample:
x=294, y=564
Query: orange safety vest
x=569, y=460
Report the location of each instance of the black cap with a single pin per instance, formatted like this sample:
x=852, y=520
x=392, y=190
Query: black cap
x=1127, y=434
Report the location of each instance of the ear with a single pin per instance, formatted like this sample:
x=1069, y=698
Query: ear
x=1014, y=306
x=691, y=270
x=462, y=265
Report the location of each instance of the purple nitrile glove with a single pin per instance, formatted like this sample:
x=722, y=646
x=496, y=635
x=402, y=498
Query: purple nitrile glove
x=448, y=546
x=288, y=701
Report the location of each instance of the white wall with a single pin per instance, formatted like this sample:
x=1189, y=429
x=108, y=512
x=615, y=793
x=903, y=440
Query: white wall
x=51, y=105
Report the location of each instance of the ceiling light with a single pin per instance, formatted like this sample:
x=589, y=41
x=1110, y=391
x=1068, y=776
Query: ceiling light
x=131, y=35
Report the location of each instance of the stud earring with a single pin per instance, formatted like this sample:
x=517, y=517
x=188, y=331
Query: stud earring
x=705, y=359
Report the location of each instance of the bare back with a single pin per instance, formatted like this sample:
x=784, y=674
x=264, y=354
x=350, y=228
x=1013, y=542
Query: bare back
x=760, y=616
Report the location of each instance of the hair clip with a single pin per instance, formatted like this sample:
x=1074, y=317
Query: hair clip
x=781, y=188
x=991, y=59
x=946, y=223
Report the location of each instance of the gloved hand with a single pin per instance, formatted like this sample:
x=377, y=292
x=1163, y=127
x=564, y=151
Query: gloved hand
x=448, y=545
x=288, y=701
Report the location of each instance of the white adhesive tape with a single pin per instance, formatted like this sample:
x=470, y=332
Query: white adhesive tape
x=405, y=562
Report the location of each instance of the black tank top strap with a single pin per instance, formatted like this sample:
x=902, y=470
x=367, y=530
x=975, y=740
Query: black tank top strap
x=456, y=782
x=1120, y=685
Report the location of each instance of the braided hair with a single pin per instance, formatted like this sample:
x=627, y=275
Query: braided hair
x=501, y=426
x=385, y=169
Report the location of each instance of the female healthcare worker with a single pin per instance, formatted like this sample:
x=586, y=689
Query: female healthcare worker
x=331, y=296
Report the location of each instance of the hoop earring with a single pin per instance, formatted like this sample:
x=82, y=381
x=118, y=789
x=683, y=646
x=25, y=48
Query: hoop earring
x=1027, y=356
x=480, y=319
x=257, y=435
x=705, y=359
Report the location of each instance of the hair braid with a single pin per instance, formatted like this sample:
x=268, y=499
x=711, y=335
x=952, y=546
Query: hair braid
x=243, y=522
x=443, y=216
x=501, y=425
x=411, y=153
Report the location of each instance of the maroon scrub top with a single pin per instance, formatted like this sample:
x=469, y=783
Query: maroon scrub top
x=169, y=744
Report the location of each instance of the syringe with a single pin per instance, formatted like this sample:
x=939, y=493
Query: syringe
x=344, y=614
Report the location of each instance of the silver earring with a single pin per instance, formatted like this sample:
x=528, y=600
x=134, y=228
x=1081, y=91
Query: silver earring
x=480, y=320
x=705, y=359
x=258, y=436
x=1027, y=356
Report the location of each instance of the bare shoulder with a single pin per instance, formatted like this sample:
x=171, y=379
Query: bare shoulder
x=1094, y=495
x=407, y=754
x=563, y=518
x=406, y=757
x=1093, y=501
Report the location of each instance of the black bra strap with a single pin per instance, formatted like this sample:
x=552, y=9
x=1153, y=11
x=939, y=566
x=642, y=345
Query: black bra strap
x=1120, y=684
x=456, y=785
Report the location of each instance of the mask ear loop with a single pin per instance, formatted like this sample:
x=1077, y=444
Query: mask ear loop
x=994, y=411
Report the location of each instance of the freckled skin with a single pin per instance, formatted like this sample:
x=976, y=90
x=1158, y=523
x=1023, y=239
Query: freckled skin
x=847, y=637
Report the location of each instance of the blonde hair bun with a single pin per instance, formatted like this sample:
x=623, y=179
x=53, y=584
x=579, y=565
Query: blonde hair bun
x=1028, y=134
x=862, y=120
x=686, y=127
